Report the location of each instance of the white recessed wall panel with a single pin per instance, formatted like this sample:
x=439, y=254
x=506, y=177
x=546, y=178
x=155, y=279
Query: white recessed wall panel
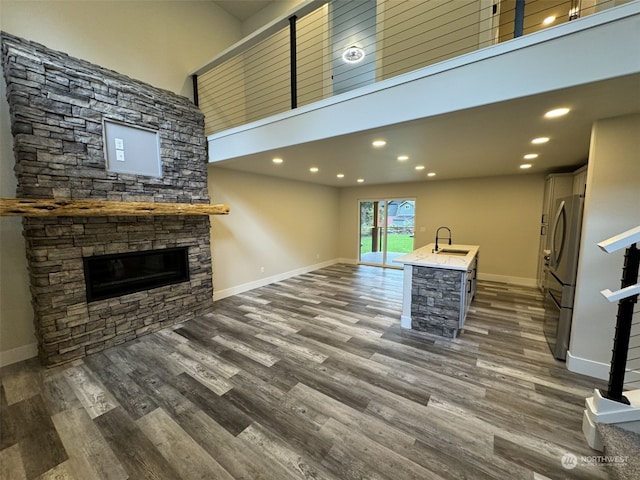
x=130, y=149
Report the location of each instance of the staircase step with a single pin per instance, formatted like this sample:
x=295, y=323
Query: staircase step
x=622, y=450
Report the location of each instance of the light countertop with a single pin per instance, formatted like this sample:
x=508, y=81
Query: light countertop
x=426, y=257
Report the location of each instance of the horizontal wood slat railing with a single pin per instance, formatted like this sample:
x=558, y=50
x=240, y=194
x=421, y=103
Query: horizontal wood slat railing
x=32, y=207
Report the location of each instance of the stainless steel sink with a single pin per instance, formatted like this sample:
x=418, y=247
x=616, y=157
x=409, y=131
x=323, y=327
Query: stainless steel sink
x=452, y=251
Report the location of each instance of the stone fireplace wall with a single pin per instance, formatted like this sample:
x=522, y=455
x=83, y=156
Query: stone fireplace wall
x=58, y=105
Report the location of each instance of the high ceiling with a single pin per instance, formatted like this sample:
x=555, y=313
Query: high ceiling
x=243, y=9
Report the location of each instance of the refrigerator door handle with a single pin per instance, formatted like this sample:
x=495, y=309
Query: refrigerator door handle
x=555, y=254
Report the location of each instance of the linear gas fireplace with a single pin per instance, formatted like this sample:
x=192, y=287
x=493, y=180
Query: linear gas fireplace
x=108, y=276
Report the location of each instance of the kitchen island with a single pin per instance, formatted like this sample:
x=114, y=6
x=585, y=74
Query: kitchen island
x=438, y=287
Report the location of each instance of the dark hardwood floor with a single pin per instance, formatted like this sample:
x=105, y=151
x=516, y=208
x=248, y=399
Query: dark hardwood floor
x=307, y=378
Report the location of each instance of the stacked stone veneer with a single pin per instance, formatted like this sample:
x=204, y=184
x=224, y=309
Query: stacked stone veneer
x=435, y=300
x=58, y=105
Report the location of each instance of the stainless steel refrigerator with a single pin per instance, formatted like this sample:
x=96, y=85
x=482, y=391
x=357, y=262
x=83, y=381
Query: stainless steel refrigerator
x=562, y=268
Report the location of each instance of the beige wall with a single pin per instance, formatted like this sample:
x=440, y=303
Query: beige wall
x=221, y=96
x=156, y=42
x=416, y=34
x=612, y=206
x=268, y=14
x=16, y=316
x=277, y=224
x=314, y=72
x=284, y=225
x=501, y=214
x=267, y=77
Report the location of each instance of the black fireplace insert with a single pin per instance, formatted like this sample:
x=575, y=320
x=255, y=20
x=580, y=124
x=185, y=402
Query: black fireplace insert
x=108, y=276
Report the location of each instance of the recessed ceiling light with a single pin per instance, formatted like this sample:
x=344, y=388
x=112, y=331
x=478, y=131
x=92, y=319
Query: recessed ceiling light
x=557, y=112
x=340, y=175
x=402, y=158
x=419, y=167
x=539, y=140
x=379, y=143
x=313, y=169
x=530, y=156
x=431, y=174
x=549, y=20
x=277, y=160
x=524, y=166
x=360, y=180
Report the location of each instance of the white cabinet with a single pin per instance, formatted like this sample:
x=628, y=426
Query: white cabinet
x=469, y=279
x=580, y=181
x=556, y=186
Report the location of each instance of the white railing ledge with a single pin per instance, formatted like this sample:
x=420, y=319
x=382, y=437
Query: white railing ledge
x=621, y=294
x=621, y=240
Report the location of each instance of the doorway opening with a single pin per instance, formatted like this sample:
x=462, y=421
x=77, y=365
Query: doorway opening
x=387, y=228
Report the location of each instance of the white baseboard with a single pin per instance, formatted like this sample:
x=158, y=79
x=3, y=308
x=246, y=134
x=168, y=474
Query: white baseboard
x=520, y=281
x=587, y=367
x=348, y=261
x=18, y=354
x=26, y=352
x=245, y=287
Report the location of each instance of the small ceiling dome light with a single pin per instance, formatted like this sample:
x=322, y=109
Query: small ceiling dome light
x=524, y=166
x=313, y=169
x=402, y=158
x=556, y=112
x=419, y=167
x=530, y=156
x=360, y=180
x=431, y=174
x=549, y=20
x=340, y=175
x=353, y=54
x=277, y=160
x=378, y=143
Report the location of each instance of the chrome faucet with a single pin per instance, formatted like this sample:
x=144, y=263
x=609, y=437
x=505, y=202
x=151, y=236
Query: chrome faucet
x=437, y=231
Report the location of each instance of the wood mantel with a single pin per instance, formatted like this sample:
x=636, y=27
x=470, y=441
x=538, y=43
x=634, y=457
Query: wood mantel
x=32, y=207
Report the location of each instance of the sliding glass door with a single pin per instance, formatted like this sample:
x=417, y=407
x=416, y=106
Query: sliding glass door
x=386, y=230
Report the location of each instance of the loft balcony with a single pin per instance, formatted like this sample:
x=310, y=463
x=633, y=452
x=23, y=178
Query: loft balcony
x=288, y=84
